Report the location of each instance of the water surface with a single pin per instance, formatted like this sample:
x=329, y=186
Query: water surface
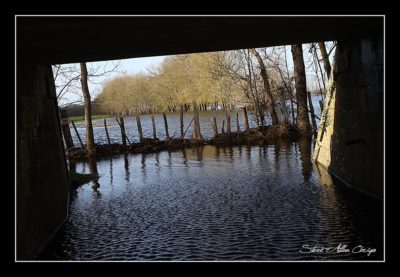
x=173, y=125
x=215, y=203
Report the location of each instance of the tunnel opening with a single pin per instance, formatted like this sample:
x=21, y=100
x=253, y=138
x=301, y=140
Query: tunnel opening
x=42, y=126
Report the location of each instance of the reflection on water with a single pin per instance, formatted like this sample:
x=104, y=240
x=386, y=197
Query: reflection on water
x=111, y=171
x=305, y=157
x=93, y=170
x=126, y=166
x=215, y=203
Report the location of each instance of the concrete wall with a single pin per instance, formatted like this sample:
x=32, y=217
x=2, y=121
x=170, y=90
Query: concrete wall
x=350, y=138
x=42, y=181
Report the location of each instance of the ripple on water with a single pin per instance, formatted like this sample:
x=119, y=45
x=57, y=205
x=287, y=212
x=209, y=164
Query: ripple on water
x=238, y=203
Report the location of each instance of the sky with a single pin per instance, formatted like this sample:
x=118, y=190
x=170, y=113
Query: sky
x=131, y=66
x=128, y=66
x=136, y=65
x=140, y=64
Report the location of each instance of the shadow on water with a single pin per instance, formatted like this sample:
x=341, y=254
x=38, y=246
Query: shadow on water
x=305, y=157
x=214, y=203
x=355, y=211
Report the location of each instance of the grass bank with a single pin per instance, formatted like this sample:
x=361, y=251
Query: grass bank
x=81, y=118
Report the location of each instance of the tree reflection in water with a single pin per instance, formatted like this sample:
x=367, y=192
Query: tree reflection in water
x=93, y=170
x=126, y=166
x=305, y=157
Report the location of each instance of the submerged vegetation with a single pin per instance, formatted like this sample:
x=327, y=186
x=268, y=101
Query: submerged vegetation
x=251, y=136
x=261, y=80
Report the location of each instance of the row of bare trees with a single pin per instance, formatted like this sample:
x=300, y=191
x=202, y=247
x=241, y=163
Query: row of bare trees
x=260, y=79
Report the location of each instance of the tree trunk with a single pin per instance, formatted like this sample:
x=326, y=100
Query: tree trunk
x=267, y=88
x=91, y=147
x=197, y=133
x=105, y=127
x=318, y=65
x=303, y=122
x=246, y=119
x=290, y=88
x=228, y=121
x=310, y=105
x=166, y=125
x=325, y=58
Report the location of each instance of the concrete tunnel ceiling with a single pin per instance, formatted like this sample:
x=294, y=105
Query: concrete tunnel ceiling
x=54, y=40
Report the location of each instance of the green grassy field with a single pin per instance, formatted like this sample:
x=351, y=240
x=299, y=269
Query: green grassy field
x=82, y=118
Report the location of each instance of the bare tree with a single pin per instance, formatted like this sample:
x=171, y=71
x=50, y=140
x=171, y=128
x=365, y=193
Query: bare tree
x=66, y=79
x=316, y=65
x=90, y=146
x=303, y=122
x=325, y=58
x=280, y=65
x=270, y=99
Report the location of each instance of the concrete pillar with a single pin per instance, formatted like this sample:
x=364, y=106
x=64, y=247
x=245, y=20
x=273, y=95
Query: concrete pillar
x=350, y=137
x=42, y=177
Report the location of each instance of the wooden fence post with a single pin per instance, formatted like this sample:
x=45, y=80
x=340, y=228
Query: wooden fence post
x=237, y=123
x=166, y=125
x=197, y=133
x=154, y=127
x=77, y=134
x=228, y=121
x=123, y=133
x=181, y=121
x=65, y=129
x=105, y=127
x=246, y=120
x=139, y=126
x=214, y=126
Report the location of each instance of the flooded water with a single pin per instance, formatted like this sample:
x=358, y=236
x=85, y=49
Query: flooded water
x=173, y=125
x=217, y=203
